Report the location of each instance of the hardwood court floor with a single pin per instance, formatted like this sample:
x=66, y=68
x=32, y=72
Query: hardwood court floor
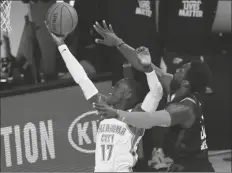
x=216, y=158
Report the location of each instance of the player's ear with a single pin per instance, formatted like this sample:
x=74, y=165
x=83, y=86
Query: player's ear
x=127, y=95
x=185, y=84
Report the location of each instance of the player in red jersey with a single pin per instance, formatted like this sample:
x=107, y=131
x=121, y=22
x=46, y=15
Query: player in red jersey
x=183, y=112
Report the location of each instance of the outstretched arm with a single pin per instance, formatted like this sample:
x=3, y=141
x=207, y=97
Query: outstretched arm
x=77, y=71
x=174, y=114
x=139, y=60
x=111, y=39
x=79, y=75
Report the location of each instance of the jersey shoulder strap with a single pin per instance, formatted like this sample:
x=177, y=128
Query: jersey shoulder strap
x=135, y=131
x=195, y=98
x=189, y=99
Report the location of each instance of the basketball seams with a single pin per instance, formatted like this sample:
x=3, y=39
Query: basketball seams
x=61, y=26
x=50, y=23
x=71, y=16
x=67, y=5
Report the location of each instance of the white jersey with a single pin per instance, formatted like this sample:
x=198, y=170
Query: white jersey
x=116, y=146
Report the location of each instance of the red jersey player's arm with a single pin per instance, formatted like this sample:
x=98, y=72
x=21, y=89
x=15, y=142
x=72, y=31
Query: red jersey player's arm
x=131, y=55
x=79, y=75
x=176, y=113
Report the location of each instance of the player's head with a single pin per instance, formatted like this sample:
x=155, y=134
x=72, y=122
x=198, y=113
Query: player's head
x=125, y=94
x=194, y=76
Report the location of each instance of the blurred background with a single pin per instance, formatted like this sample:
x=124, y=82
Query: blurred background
x=165, y=33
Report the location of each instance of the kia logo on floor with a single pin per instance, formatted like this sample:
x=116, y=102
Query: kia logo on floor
x=82, y=132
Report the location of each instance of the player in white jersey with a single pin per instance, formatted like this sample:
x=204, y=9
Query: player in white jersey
x=116, y=142
x=116, y=146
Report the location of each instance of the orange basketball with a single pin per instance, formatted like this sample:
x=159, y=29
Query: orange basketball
x=61, y=18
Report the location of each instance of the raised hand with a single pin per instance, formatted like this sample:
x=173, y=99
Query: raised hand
x=144, y=57
x=109, y=37
x=59, y=40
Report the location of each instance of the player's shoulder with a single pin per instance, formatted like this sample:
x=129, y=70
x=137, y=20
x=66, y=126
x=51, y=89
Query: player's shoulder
x=192, y=99
x=135, y=131
x=186, y=104
x=192, y=104
x=188, y=100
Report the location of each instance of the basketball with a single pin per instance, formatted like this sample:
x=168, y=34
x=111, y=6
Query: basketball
x=61, y=18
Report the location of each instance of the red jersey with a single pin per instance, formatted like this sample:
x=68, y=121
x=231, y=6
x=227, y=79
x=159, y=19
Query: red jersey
x=182, y=143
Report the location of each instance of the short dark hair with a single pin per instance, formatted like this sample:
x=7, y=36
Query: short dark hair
x=199, y=76
x=136, y=89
